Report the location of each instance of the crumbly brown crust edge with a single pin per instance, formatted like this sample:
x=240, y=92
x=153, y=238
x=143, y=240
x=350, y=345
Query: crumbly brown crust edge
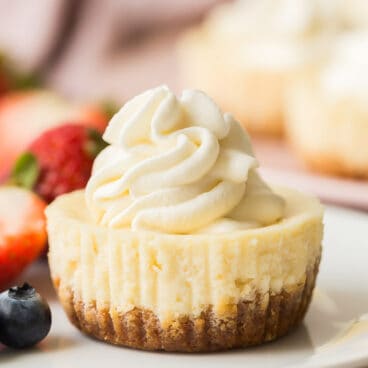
x=263, y=319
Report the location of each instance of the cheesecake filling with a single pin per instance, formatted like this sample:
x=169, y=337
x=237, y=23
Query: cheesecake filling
x=181, y=275
x=178, y=166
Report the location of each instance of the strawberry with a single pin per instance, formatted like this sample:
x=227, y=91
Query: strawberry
x=22, y=231
x=59, y=161
x=24, y=115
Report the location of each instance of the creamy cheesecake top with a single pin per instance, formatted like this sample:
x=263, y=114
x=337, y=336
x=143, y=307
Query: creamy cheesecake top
x=178, y=165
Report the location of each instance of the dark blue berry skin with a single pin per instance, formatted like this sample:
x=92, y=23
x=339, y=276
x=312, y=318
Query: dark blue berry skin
x=25, y=317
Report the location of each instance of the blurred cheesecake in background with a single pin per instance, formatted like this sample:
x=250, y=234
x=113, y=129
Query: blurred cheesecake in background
x=327, y=110
x=247, y=52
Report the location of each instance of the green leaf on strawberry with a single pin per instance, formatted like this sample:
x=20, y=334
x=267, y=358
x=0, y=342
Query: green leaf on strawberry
x=59, y=161
x=95, y=143
x=26, y=171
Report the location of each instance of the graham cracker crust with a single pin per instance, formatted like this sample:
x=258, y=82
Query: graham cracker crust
x=249, y=323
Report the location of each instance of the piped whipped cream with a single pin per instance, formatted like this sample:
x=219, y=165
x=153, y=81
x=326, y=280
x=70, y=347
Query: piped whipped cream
x=178, y=165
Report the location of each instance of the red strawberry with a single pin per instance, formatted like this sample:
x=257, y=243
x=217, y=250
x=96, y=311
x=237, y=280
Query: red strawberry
x=22, y=231
x=59, y=161
x=27, y=114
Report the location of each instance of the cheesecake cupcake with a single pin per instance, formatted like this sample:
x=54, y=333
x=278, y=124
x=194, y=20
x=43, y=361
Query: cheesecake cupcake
x=246, y=52
x=176, y=243
x=327, y=110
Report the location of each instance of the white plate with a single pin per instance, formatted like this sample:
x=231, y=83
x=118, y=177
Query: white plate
x=341, y=296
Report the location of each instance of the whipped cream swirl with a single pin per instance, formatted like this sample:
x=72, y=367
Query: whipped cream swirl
x=178, y=165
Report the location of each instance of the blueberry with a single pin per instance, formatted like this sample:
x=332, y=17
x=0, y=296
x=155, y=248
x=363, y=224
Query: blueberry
x=25, y=317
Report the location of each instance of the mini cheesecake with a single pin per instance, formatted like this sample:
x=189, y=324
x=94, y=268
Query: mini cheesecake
x=246, y=53
x=327, y=111
x=189, y=293
x=177, y=243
